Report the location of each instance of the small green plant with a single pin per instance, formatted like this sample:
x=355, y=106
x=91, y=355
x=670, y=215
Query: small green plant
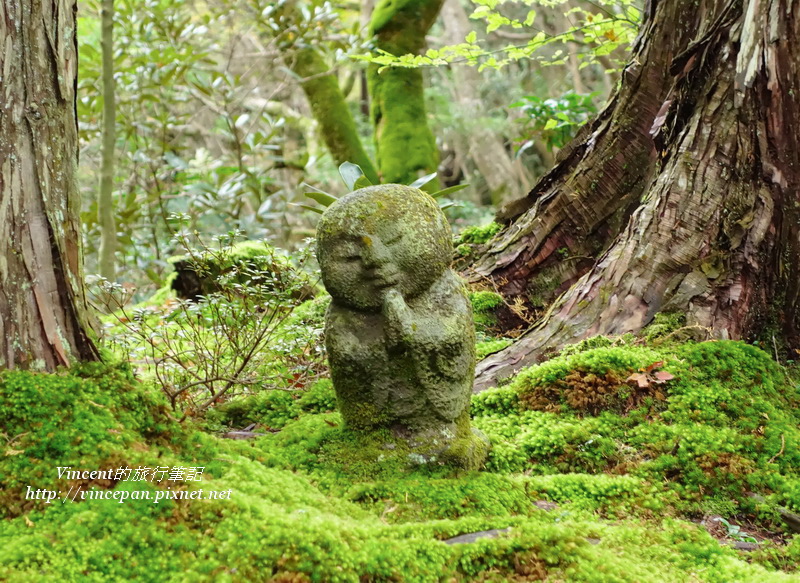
x=735, y=532
x=554, y=121
x=476, y=235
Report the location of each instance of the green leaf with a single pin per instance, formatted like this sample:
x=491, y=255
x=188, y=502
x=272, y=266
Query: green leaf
x=308, y=208
x=319, y=196
x=362, y=182
x=322, y=198
x=472, y=37
x=551, y=123
x=420, y=182
x=350, y=173
x=449, y=190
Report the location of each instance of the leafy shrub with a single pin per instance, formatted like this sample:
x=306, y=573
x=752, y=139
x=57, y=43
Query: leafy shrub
x=238, y=337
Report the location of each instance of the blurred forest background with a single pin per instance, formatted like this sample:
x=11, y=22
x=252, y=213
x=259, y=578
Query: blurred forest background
x=223, y=110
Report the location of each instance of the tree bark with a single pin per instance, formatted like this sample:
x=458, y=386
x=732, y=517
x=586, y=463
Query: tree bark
x=105, y=203
x=696, y=171
x=406, y=147
x=44, y=318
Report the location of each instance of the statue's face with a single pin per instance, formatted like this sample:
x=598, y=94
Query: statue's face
x=373, y=242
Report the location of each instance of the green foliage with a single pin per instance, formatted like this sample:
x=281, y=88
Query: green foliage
x=554, y=120
x=234, y=335
x=479, y=235
x=173, y=103
x=601, y=33
x=354, y=178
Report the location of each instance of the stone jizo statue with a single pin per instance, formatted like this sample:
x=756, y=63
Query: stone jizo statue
x=399, y=332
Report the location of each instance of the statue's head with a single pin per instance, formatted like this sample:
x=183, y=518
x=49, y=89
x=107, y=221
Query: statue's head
x=381, y=238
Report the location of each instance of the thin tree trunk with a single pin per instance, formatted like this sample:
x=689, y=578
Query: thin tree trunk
x=321, y=87
x=406, y=147
x=43, y=312
x=716, y=234
x=364, y=18
x=506, y=178
x=105, y=204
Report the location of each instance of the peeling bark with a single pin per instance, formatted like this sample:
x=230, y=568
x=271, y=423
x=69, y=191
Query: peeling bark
x=599, y=177
x=715, y=232
x=44, y=318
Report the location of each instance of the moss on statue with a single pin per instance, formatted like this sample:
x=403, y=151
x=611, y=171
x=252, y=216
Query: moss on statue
x=399, y=332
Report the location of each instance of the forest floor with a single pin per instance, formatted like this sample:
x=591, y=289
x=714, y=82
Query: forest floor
x=617, y=460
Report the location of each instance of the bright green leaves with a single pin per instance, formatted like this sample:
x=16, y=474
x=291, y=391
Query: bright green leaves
x=554, y=121
x=601, y=33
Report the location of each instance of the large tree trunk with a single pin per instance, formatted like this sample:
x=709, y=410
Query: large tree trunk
x=685, y=189
x=43, y=311
x=405, y=145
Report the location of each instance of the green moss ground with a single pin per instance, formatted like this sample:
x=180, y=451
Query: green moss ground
x=626, y=470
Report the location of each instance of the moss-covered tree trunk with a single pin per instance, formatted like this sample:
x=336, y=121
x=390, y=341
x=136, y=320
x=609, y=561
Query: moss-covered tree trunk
x=682, y=196
x=406, y=147
x=43, y=311
x=330, y=109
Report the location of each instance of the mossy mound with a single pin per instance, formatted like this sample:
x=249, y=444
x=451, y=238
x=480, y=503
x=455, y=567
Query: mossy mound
x=244, y=264
x=93, y=418
x=710, y=421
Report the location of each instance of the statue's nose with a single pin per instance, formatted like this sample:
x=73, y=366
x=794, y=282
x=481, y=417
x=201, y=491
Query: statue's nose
x=376, y=254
